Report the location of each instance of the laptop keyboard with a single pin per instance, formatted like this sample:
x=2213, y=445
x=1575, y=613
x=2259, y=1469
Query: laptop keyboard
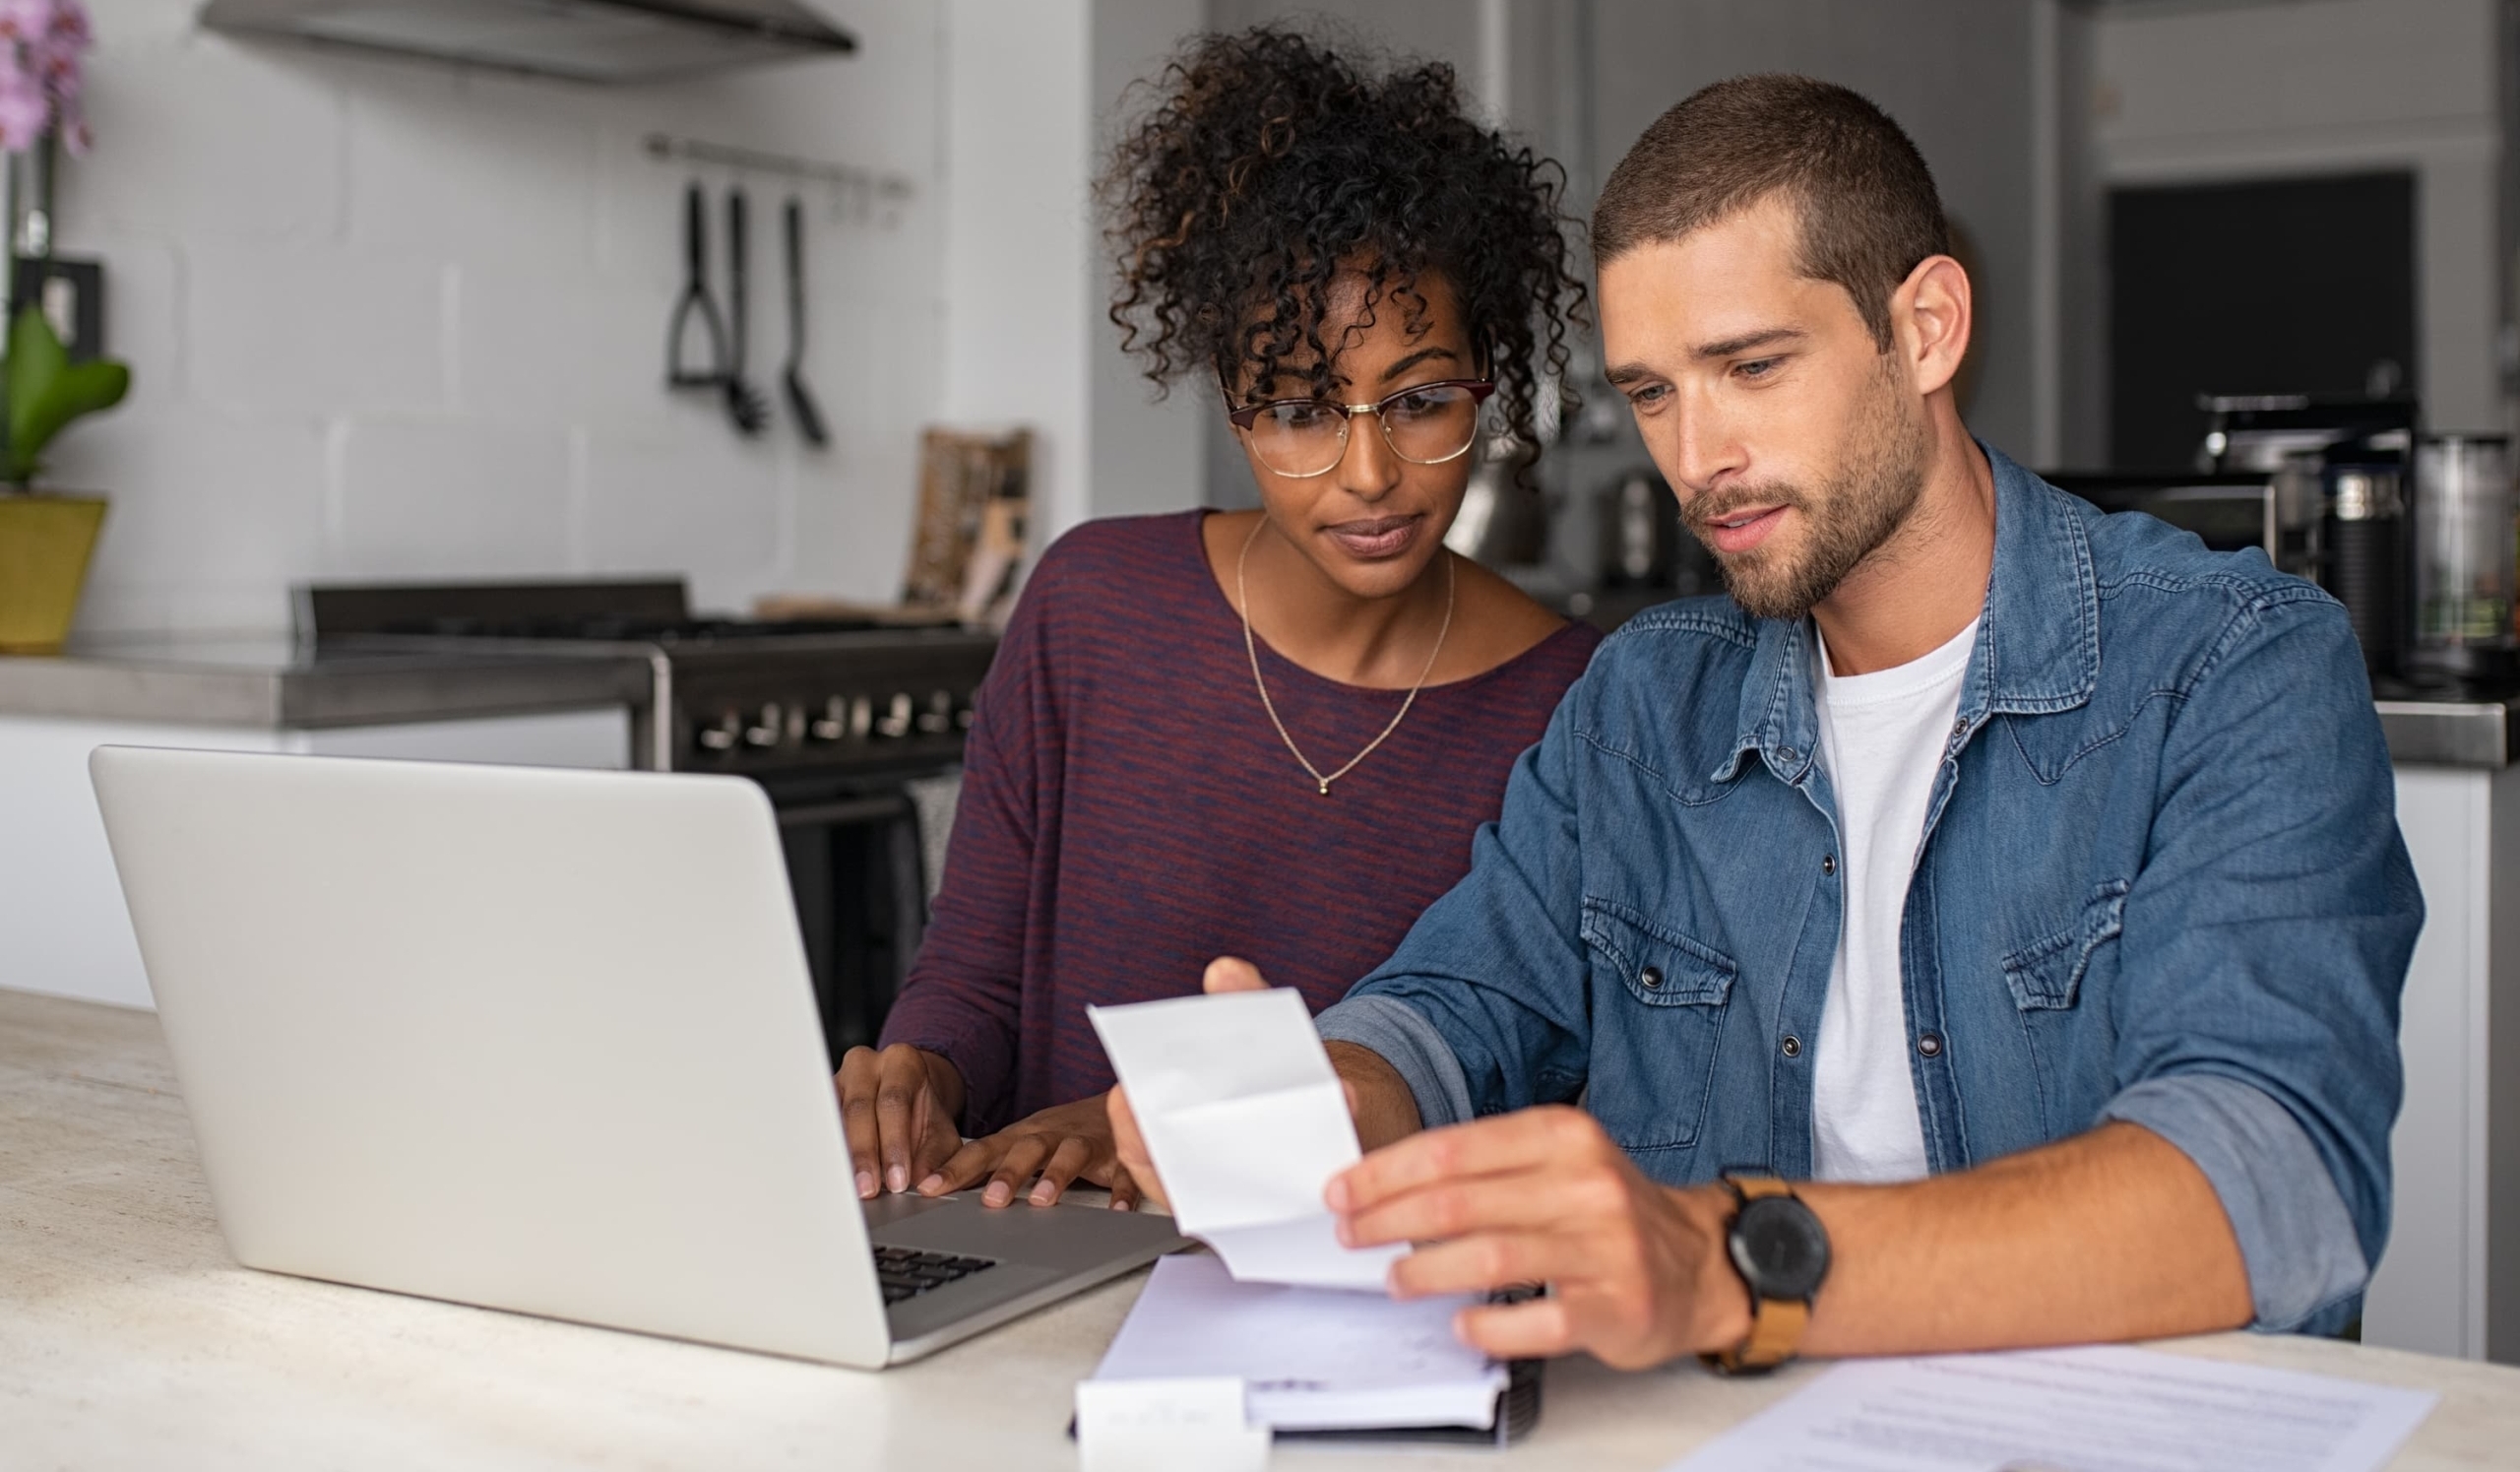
x=907, y=1273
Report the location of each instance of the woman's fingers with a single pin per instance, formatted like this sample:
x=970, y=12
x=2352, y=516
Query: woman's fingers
x=965, y=1166
x=1024, y=1156
x=1124, y=1189
x=901, y=1100
x=856, y=1084
x=1071, y=1156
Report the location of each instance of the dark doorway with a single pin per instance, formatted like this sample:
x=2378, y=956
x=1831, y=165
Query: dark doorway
x=2272, y=286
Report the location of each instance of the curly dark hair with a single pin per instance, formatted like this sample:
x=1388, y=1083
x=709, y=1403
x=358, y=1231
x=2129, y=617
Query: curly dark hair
x=1268, y=165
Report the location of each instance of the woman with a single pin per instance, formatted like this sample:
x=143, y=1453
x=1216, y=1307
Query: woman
x=1270, y=734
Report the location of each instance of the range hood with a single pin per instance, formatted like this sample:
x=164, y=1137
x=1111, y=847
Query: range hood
x=583, y=41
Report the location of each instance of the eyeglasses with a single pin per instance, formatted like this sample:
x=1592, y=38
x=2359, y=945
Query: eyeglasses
x=1424, y=424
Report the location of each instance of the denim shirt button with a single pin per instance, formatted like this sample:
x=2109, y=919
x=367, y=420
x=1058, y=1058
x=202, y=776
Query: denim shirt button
x=1787, y=755
x=1651, y=977
x=1793, y=1045
x=1930, y=1045
x=1829, y=864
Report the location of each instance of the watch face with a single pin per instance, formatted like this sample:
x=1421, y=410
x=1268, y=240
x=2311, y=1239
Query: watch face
x=1780, y=1247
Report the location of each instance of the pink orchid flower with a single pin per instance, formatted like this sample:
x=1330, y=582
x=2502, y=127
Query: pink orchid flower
x=25, y=20
x=25, y=111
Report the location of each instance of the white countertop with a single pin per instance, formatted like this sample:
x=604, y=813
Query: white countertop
x=128, y=1338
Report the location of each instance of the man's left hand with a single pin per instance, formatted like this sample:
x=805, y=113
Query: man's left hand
x=1638, y=1272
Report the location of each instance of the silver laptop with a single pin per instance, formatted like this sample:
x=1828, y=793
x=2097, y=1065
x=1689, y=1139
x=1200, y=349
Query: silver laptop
x=541, y=1041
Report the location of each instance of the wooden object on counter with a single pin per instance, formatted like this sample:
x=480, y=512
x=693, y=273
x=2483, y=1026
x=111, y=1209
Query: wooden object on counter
x=971, y=488
x=129, y=1338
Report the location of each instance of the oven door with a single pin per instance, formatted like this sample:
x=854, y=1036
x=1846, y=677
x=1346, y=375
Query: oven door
x=854, y=861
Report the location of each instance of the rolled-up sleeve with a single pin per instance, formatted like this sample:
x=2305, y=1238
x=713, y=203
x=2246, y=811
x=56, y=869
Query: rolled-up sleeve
x=2265, y=947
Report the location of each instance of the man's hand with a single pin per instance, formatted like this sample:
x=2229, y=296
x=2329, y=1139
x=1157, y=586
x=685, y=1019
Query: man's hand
x=1064, y=1144
x=897, y=1108
x=1638, y=1272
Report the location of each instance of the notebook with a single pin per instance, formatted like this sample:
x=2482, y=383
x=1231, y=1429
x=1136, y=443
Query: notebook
x=1323, y=1362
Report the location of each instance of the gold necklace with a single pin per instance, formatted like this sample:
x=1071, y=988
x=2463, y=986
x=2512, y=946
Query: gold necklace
x=1251, y=647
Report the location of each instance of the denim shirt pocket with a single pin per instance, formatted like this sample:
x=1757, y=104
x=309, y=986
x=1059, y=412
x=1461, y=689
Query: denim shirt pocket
x=2046, y=975
x=1660, y=1000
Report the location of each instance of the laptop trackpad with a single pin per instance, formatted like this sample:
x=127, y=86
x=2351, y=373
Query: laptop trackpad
x=1060, y=1236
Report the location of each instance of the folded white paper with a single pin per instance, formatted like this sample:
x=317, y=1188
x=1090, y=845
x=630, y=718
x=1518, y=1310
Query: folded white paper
x=1308, y=1358
x=1246, y=1124
x=1163, y=1425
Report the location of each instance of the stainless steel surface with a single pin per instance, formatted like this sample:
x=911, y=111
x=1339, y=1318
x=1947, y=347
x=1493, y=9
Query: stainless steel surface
x=2366, y=493
x=2452, y=734
x=277, y=683
x=583, y=41
x=2465, y=566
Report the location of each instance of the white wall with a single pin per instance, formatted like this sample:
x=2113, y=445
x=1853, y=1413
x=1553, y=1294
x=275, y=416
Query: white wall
x=2180, y=92
x=392, y=319
x=1957, y=74
x=1030, y=92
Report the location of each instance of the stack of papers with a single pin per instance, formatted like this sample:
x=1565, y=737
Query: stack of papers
x=1246, y=1122
x=2102, y=1409
x=1309, y=1359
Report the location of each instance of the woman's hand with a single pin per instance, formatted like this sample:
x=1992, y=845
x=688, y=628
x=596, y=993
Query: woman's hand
x=897, y=1108
x=1062, y=1145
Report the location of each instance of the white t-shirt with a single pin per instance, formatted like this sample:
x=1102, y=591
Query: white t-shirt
x=1882, y=738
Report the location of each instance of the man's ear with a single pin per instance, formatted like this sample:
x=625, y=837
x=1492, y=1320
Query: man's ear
x=1930, y=317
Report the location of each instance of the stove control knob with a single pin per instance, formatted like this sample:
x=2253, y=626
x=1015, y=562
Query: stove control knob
x=832, y=723
x=963, y=715
x=896, y=719
x=766, y=731
x=723, y=735
x=938, y=718
x=861, y=716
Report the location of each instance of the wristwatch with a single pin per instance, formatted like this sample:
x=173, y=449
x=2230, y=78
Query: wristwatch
x=1782, y=1252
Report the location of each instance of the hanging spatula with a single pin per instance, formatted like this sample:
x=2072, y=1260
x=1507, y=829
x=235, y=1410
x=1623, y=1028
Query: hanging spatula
x=801, y=399
x=746, y=405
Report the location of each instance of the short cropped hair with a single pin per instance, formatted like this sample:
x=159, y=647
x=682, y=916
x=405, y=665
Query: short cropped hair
x=1865, y=201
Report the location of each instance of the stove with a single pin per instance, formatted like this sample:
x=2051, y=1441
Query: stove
x=832, y=717
x=725, y=694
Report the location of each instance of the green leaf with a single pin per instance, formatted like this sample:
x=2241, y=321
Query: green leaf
x=46, y=391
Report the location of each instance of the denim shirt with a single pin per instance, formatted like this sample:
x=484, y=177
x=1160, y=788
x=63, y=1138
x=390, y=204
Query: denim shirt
x=2161, y=880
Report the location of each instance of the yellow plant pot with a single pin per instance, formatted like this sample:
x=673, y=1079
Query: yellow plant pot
x=45, y=545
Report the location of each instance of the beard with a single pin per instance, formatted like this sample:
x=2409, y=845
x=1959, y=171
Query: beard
x=1861, y=507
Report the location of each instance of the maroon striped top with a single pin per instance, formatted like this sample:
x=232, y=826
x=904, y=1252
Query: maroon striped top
x=1129, y=815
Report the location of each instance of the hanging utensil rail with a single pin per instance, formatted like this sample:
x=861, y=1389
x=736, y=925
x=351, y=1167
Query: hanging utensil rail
x=882, y=185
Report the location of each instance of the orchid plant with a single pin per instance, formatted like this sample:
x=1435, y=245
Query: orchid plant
x=42, y=46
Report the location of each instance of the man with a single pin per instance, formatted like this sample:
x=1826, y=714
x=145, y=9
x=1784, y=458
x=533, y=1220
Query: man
x=2008, y=897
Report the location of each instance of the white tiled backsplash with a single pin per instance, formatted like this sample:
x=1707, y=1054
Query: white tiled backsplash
x=389, y=319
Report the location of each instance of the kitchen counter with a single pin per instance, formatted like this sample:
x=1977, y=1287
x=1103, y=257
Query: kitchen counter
x=129, y=1338
x=274, y=684
x=2453, y=732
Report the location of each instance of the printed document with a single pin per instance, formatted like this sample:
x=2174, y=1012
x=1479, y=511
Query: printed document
x=1310, y=1359
x=2099, y=1409
x=1246, y=1124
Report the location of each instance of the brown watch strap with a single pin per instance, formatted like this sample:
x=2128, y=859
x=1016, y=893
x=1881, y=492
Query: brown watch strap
x=1776, y=1324
x=1776, y=1328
